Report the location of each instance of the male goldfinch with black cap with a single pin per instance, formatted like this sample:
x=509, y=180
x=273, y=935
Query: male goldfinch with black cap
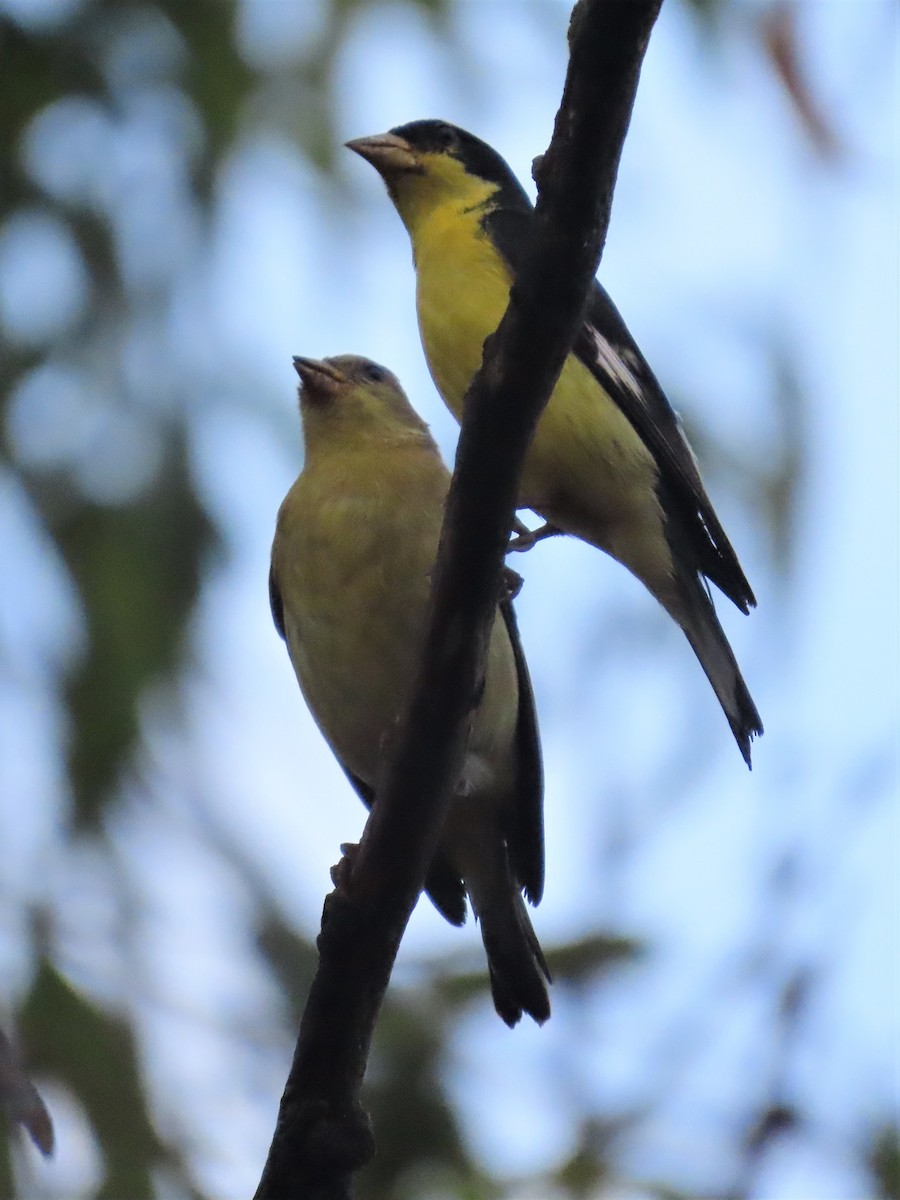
x=609, y=462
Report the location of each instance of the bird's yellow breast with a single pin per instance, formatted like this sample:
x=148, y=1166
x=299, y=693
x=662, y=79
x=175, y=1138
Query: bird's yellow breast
x=355, y=546
x=354, y=567
x=462, y=289
x=587, y=470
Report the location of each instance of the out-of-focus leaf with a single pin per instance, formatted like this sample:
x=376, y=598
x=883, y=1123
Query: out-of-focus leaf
x=415, y=1127
x=218, y=79
x=14, y=362
x=663, y=1192
x=7, y=1187
x=772, y=484
x=38, y=69
x=459, y=987
x=780, y=37
x=291, y=959
x=577, y=963
x=708, y=14
x=784, y=483
x=94, y=1054
x=884, y=1162
x=137, y=568
x=775, y=1121
x=785, y=52
x=95, y=244
x=581, y=961
x=414, y=1124
x=585, y=1171
x=21, y=1100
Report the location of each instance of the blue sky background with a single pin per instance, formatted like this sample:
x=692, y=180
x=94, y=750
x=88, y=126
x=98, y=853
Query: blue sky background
x=728, y=236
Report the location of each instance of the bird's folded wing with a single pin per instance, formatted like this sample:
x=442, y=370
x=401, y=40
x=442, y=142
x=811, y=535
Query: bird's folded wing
x=525, y=832
x=610, y=353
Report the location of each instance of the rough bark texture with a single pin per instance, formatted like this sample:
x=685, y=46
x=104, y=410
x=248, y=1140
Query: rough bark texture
x=323, y=1135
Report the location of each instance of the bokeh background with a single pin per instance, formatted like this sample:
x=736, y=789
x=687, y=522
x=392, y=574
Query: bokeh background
x=177, y=218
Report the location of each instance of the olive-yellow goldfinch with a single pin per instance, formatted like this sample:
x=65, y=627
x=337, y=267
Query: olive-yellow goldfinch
x=354, y=548
x=609, y=462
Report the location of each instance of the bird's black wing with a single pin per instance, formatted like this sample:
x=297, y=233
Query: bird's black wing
x=442, y=883
x=276, y=604
x=525, y=832
x=611, y=354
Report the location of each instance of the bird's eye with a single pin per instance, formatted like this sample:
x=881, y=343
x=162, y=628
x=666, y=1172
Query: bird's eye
x=446, y=136
x=374, y=373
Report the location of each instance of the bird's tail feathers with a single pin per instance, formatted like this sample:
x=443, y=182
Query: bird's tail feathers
x=701, y=625
x=519, y=973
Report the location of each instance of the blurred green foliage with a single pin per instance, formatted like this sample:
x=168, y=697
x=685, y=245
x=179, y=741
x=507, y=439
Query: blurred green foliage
x=94, y=1054
x=137, y=557
x=885, y=1161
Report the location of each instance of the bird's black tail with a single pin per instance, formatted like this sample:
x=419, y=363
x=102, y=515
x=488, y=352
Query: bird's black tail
x=519, y=973
x=701, y=625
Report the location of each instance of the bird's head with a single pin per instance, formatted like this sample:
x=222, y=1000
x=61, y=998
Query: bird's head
x=430, y=165
x=351, y=400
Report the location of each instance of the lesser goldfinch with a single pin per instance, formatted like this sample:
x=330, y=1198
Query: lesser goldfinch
x=609, y=462
x=354, y=548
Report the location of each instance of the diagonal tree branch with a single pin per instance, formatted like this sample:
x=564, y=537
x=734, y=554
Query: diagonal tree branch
x=323, y=1135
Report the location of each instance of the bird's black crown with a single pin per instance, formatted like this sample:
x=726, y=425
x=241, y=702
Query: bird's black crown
x=440, y=137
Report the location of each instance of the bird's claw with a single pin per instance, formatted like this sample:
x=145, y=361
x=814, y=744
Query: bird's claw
x=526, y=538
x=510, y=585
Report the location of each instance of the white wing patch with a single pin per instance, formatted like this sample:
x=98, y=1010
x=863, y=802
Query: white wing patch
x=478, y=775
x=617, y=364
x=695, y=462
x=623, y=365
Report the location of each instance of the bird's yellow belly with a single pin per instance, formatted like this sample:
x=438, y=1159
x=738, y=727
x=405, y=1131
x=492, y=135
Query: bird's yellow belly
x=357, y=624
x=587, y=470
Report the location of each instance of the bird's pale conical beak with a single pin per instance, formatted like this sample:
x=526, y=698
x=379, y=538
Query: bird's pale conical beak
x=321, y=380
x=388, y=153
